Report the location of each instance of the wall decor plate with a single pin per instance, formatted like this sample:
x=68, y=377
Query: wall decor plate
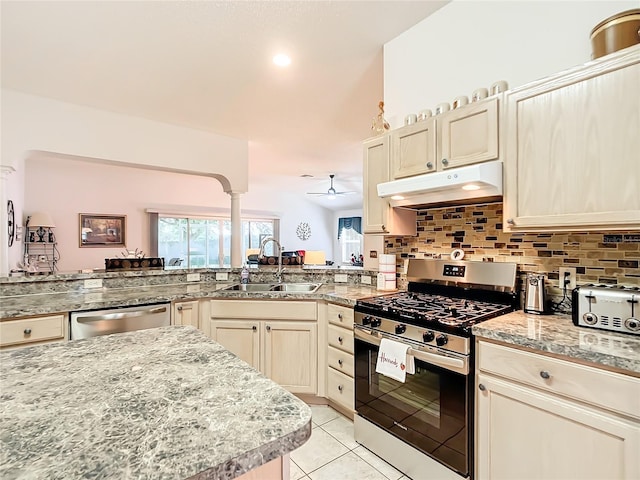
x=303, y=231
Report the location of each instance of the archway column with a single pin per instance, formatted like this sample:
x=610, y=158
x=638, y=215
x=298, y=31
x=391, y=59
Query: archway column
x=5, y=171
x=236, y=231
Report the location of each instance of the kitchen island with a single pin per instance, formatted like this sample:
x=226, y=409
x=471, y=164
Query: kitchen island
x=165, y=403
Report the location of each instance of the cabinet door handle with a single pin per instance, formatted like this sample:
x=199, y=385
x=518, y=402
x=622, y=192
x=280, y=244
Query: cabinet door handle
x=179, y=308
x=268, y=328
x=27, y=331
x=511, y=221
x=340, y=362
x=254, y=328
x=339, y=388
x=544, y=374
x=429, y=165
x=482, y=387
x=445, y=162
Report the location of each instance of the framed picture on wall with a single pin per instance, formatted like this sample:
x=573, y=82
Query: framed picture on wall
x=98, y=230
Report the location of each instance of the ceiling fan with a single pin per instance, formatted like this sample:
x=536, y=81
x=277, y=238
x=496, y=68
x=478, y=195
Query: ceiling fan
x=331, y=193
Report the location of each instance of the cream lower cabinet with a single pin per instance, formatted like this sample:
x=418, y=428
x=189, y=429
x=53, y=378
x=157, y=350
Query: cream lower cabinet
x=573, y=149
x=340, y=362
x=279, y=338
x=27, y=331
x=186, y=313
x=378, y=216
x=544, y=418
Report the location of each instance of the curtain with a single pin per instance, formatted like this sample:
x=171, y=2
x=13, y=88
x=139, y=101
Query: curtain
x=350, y=222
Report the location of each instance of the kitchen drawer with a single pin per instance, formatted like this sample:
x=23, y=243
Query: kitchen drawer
x=339, y=315
x=340, y=360
x=340, y=388
x=612, y=391
x=341, y=338
x=264, y=309
x=31, y=330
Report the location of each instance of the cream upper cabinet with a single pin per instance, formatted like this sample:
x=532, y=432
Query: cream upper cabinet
x=573, y=149
x=469, y=134
x=279, y=338
x=186, y=313
x=541, y=417
x=413, y=149
x=378, y=216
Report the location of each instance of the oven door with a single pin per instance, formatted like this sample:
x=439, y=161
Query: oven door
x=430, y=410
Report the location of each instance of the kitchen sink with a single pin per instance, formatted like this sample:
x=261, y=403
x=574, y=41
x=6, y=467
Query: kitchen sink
x=296, y=287
x=251, y=287
x=275, y=287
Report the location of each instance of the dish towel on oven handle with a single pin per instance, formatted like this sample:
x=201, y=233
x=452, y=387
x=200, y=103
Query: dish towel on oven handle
x=394, y=361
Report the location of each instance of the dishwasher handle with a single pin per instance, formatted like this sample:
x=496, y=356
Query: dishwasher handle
x=120, y=316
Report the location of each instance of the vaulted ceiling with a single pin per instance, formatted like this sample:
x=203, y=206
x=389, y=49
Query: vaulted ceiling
x=208, y=65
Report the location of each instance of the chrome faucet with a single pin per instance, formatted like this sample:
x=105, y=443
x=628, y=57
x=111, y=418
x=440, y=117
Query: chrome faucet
x=261, y=255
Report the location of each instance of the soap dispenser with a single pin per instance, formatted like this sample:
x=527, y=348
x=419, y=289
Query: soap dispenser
x=244, y=275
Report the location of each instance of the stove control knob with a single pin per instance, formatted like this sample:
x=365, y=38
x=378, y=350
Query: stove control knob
x=441, y=340
x=428, y=336
x=590, y=318
x=376, y=322
x=632, y=324
x=366, y=320
x=400, y=329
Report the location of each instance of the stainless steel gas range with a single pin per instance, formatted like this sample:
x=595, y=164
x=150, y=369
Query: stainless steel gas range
x=424, y=426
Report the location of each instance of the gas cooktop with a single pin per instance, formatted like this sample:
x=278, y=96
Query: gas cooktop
x=432, y=310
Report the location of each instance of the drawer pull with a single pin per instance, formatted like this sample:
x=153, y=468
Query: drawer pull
x=482, y=387
x=268, y=328
x=339, y=388
x=27, y=331
x=340, y=362
x=340, y=339
x=179, y=308
x=340, y=316
x=545, y=375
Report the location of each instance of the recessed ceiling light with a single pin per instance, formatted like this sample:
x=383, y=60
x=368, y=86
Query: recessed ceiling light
x=282, y=60
x=471, y=186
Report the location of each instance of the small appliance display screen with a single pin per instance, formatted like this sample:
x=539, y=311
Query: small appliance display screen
x=454, y=270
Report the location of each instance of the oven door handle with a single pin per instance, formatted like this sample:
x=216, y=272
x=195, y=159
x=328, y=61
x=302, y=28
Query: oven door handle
x=456, y=364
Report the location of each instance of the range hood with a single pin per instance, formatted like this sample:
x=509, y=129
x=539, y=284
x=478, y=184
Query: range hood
x=464, y=185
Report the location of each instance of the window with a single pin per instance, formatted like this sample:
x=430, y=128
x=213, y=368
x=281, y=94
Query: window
x=206, y=242
x=351, y=240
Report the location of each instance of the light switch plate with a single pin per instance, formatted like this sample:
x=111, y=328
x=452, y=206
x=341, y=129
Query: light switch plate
x=221, y=276
x=93, y=283
x=193, y=277
x=365, y=279
x=341, y=278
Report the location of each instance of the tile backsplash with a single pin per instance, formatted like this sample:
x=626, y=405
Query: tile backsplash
x=611, y=257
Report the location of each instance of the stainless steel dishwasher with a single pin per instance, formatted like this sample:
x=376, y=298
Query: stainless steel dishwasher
x=117, y=320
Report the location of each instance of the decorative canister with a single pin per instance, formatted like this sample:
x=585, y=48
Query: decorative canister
x=616, y=32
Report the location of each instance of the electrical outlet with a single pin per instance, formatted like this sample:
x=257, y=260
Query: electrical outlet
x=365, y=279
x=567, y=273
x=193, y=277
x=93, y=283
x=222, y=276
x=341, y=278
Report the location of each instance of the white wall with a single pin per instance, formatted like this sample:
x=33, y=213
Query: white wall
x=470, y=44
x=66, y=187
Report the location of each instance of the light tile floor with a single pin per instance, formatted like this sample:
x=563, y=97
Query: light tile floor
x=332, y=454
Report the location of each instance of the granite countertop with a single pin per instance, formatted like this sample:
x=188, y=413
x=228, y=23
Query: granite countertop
x=556, y=334
x=164, y=403
x=45, y=303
